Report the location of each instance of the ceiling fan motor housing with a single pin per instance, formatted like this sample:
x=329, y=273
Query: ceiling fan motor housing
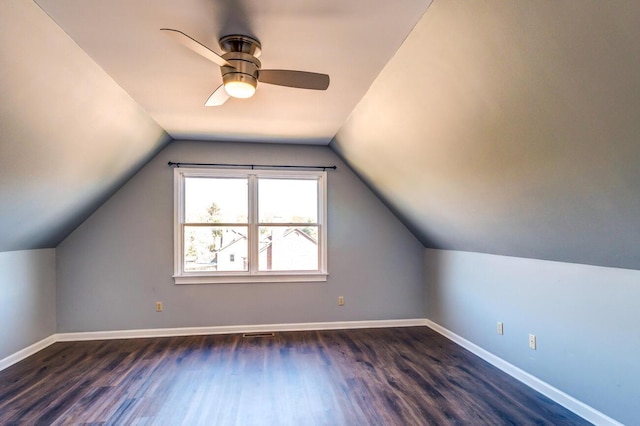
x=244, y=68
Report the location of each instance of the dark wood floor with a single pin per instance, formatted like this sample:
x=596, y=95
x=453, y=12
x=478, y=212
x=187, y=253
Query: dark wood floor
x=397, y=376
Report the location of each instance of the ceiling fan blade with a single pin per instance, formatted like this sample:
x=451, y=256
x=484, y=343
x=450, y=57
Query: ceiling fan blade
x=218, y=97
x=299, y=79
x=196, y=46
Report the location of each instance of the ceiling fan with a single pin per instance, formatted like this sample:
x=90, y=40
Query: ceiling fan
x=240, y=68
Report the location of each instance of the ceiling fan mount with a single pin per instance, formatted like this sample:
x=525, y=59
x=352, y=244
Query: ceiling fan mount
x=240, y=43
x=241, y=70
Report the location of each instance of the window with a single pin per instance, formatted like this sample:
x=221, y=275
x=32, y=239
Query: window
x=249, y=226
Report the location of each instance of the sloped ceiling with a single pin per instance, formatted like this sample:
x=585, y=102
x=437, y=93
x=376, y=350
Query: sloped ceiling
x=69, y=135
x=504, y=127
x=511, y=127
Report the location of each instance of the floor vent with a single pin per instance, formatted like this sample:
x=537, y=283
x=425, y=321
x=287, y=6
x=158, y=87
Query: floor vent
x=258, y=334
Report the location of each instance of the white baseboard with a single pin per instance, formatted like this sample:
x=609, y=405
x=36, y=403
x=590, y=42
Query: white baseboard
x=194, y=331
x=26, y=352
x=588, y=413
x=581, y=409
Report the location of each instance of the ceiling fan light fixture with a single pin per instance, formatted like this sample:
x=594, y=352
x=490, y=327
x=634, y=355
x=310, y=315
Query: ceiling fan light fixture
x=240, y=89
x=239, y=84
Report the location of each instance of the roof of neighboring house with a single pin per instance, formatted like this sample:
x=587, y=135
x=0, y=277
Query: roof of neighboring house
x=288, y=232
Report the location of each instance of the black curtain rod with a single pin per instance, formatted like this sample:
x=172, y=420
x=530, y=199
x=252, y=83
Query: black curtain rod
x=252, y=166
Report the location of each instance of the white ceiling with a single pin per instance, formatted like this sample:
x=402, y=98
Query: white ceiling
x=349, y=40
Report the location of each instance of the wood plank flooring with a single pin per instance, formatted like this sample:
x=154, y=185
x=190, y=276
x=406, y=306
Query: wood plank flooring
x=395, y=376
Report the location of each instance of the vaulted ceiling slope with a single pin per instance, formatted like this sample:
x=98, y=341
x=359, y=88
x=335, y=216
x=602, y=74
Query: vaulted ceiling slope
x=69, y=135
x=511, y=128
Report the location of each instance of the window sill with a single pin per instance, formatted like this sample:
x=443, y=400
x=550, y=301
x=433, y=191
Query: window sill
x=261, y=278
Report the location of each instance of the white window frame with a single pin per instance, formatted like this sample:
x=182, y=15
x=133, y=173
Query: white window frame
x=253, y=275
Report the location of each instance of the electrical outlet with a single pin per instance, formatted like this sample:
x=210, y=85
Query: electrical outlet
x=340, y=300
x=532, y=341
x=500, y=328
x=159, y=307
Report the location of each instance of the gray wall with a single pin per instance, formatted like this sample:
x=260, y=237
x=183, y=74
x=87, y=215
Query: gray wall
x=27, y=298
x=116, y=265
x=585, y=319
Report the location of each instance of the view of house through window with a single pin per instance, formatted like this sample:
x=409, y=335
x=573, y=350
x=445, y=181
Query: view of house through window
x=249, y=223
x=288, y=217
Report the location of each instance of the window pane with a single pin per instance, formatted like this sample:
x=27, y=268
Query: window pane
x=215, y=248
x=216, y=200
x=283, y=248
x=288, y=201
